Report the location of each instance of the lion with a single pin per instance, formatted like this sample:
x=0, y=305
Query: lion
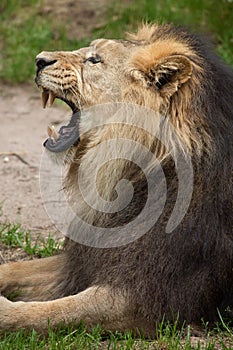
x=186, y=273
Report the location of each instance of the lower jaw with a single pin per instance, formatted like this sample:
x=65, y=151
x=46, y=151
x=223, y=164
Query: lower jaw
x=68, y=136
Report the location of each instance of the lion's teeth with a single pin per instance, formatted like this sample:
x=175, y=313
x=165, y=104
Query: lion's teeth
x=55, y=134
x=49, y=131
x=51, y=98
x=52, y=132
x=44, y=97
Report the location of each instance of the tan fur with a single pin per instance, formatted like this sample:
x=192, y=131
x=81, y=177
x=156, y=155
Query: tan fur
x=87, y=306
x=34, y=280
x=130, y=287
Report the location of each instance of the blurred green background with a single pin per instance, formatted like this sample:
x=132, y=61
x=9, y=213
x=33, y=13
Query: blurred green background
x=30, y=26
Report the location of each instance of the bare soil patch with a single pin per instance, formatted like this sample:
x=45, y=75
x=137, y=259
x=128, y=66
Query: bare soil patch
x=22, y=132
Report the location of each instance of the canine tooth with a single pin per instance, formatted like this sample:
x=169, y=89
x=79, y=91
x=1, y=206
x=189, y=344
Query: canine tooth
x=51, y=98
x=49, y=131
x=44, y=97
x=52, y=132
x=55, y=134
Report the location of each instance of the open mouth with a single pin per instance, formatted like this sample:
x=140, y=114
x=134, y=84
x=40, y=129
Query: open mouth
x=68, y=135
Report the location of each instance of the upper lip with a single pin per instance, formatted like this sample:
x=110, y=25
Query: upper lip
x=47, y=93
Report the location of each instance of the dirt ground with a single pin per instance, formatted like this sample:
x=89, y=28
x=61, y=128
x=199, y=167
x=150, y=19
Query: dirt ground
x=22, y=132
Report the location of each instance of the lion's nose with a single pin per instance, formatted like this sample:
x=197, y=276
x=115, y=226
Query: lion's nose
x=43, y=62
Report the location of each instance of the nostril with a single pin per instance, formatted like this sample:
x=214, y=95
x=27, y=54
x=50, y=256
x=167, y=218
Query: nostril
x=44, y=62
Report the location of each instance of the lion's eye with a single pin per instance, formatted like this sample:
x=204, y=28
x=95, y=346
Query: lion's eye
x=93, y=59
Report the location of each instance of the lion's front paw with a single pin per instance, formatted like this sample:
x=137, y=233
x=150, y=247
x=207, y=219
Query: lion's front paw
x=5, y=305
x=7, y=316
x=3, y=277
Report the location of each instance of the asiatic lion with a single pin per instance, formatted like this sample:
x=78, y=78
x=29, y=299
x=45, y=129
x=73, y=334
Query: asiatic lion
x=186, y=273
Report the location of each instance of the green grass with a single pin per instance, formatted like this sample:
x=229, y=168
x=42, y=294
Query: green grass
x=168, y=336
x=25, y=30
x=24, y=33
x=13, y=236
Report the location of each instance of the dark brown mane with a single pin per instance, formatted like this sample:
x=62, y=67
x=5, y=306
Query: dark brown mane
x=188, y=272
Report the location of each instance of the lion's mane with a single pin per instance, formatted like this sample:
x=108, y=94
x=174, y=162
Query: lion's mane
x=188, y=272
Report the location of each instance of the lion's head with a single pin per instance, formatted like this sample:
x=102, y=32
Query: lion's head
x=160, y=67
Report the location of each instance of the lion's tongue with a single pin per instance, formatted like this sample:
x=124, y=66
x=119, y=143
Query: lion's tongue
x=66, y=137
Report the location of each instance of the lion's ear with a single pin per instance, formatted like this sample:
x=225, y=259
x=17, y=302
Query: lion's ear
x=171, y=71
x=166, y=74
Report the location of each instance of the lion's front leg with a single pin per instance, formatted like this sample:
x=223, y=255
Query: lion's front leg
x=95, y=305
x=31, y=280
